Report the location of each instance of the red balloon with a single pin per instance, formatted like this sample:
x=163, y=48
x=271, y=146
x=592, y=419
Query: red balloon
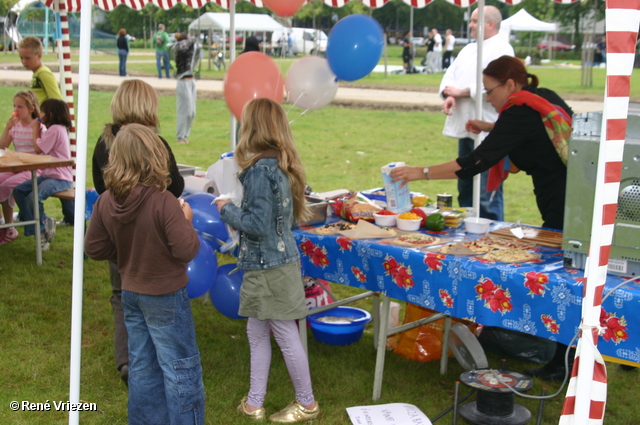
x=284, y=7
x=250, y=76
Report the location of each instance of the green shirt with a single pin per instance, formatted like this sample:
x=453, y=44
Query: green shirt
x=165, y=37
x=44, y=85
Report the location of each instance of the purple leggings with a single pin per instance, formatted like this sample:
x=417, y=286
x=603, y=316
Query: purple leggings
x=288, y=339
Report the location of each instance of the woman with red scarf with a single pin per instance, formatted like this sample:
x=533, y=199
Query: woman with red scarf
x=530, y=135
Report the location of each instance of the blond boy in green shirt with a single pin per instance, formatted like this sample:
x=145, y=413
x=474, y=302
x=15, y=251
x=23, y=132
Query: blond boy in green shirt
x=43, y=83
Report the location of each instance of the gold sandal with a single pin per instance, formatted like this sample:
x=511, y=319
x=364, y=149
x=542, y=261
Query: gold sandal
x=257, y=415
x=295, y=412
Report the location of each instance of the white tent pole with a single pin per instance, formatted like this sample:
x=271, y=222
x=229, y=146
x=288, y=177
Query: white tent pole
x=78, y=228
x=478, y=101
x=232, y=57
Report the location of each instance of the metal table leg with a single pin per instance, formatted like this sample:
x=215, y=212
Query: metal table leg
x=36, y=216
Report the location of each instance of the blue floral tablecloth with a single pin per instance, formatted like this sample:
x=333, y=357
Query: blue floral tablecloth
x=540, y=298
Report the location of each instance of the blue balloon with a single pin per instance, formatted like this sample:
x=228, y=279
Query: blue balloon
x=206, y=219
x=354, y=47
x=225, y=293
x=202, y=270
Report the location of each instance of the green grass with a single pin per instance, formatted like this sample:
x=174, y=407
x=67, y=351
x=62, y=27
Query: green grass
x=341, y=148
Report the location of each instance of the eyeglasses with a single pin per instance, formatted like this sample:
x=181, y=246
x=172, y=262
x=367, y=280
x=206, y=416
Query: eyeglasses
x=491, y=91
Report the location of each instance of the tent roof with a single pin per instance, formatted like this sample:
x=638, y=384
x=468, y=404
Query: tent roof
x=522, y=21
x=243, y=22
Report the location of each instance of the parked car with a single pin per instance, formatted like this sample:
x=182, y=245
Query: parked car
x=306, y=41
x=555, y=45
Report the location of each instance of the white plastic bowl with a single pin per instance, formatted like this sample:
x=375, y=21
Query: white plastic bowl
x=385, y=220
x=408, y=225
x=476, y=224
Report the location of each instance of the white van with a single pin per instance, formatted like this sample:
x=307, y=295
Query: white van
x=306, y=41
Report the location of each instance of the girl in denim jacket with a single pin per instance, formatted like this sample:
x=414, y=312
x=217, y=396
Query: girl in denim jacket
x=272, y=293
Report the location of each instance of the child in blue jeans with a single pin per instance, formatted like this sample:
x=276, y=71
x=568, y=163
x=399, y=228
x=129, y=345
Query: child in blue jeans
x=272, y=293
x=149, y=232
x=54, y=114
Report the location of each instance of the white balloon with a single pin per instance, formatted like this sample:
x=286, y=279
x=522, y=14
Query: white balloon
x=310, y=83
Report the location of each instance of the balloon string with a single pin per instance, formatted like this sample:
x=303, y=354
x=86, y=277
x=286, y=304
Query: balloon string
x=294, y=103
x=301, y=114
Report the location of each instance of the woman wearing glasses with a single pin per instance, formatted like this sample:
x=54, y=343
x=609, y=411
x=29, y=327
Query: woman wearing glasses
x=530, y=135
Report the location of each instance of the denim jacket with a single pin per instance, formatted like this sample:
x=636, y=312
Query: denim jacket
x=265, y=217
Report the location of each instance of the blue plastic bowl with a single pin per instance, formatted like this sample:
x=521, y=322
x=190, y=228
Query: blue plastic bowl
x=339, y=333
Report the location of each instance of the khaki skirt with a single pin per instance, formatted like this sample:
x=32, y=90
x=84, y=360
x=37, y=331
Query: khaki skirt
x=276, y=293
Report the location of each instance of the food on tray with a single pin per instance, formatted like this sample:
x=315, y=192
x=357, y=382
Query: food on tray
x=435, y=222
x=502, y=243
x=415, y=240
x=331, y=228
x=410, y=216
x=510, y=255
x=465, y=248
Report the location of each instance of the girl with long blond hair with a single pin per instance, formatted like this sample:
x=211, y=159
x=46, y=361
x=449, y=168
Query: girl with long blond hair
x=272, y=293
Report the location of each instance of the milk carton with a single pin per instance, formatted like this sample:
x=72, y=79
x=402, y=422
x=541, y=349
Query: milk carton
x=398, y=198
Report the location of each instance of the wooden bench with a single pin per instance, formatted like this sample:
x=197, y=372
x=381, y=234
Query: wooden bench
x=69, y=194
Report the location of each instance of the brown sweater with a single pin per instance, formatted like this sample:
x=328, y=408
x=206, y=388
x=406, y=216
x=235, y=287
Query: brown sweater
x=149, y=237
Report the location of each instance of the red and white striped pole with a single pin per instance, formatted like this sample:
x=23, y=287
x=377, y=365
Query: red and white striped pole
x=587, y=392
x=66, y=81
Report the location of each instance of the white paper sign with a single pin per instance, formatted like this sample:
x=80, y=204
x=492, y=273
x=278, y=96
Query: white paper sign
x=387, y=414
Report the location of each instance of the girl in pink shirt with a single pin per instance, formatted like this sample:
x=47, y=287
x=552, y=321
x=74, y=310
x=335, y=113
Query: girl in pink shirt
x=18, y=131
x=55, y=142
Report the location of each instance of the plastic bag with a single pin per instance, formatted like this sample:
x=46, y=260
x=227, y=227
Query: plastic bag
x=424, y=343
x=354, y=207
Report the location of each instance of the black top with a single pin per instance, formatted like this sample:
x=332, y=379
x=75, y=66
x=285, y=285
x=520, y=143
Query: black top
x=519, y=133
x=430, y=43
x=122, y=43
x=252, y=44
x=101, y=158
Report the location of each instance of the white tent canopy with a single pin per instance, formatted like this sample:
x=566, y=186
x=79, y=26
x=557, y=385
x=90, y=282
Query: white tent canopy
x=255, y=22
x=522, y=21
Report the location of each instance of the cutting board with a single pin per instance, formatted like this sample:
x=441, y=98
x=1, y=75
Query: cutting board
x=542, y=237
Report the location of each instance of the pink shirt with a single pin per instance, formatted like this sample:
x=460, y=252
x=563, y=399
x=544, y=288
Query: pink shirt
x=22, y=137
x=55, y=142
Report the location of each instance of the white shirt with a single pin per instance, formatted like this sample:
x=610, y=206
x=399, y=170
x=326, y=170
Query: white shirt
x=451, y=42
x=461, y=74
x=437, y=47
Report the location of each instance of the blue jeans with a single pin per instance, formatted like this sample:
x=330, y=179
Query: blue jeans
x=23, y=194
x=162, y=55
x=491, y=208
x=165, y=375
x=122, y=55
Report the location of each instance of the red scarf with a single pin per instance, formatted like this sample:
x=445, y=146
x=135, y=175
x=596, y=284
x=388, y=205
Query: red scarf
x=556, y=121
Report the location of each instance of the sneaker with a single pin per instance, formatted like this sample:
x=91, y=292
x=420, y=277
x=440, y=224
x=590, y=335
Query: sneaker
x=44, y=245
x=8, y=235
x=63, y=223
x=49, y=229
